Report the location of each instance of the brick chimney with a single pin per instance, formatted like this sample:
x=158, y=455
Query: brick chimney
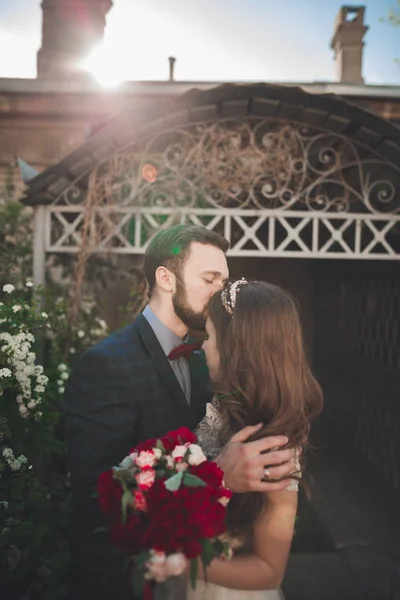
x=70, y=29
x=347, y=42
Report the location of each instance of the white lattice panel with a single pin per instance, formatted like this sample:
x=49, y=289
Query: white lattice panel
x=302, y=234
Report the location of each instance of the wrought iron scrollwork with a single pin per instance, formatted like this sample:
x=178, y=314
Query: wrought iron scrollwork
x=254, y=164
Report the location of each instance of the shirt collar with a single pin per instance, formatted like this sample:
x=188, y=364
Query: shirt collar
x=167, y=338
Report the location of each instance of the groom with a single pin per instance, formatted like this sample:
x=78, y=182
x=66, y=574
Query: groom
x=135, y=385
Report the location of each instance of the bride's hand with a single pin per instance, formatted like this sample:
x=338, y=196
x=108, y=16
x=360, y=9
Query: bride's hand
x=246, y=468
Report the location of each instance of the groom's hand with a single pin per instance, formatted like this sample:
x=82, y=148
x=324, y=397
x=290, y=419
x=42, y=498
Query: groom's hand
x=244, y=464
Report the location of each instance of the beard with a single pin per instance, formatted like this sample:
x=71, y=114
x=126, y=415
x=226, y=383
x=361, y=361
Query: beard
x=194, y=320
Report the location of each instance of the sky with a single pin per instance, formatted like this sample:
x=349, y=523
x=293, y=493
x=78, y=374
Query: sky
x=212, y=40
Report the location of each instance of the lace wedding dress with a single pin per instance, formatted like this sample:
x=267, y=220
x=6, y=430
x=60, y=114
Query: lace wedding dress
x=207, y=434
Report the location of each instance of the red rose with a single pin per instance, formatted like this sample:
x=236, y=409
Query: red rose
x=191, y=548
x=158, y=495
x=146, y=445
x=139, y=501
x=167, y=528
x=110, y=494
x=179, y=520
x=223, y=495
x=128, y=536
x=205, y=514
x=178, y=437
x=209, y=472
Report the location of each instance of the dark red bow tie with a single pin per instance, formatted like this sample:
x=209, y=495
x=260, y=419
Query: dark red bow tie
x=185, y=350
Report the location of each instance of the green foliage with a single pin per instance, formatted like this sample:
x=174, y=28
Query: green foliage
x=394, y=15
x=37, y=350
x=15, y=235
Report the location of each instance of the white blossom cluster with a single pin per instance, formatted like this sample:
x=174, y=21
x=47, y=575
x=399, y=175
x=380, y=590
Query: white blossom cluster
x=62, y=377
x=8, y=288
x=15, y=464
x=21, y=362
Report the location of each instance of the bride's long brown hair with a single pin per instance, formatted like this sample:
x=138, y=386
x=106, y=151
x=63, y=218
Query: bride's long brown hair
x=264, y=377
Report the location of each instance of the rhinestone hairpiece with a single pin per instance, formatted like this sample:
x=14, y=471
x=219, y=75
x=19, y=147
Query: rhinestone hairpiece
x=228, y=295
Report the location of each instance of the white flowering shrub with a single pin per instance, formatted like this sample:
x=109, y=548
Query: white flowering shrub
x=37, y=349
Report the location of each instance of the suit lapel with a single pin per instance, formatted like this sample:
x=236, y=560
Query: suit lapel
x=161, y=362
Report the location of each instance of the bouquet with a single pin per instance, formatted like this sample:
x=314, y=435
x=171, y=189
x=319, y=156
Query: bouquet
x=166, y=505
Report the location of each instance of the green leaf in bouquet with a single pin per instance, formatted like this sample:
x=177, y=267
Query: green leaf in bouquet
x=205, y=565
x=122, y=474
x=208, y=552
x=142, y=558
x=138, y=580
x=194, y=567
x=127, y=500
x=192, y=480
x=219, y=546
x=173, y=483
x=160, y=446
x=127, y=463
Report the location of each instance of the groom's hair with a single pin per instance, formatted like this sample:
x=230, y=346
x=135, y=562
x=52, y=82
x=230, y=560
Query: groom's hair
x=170, y=248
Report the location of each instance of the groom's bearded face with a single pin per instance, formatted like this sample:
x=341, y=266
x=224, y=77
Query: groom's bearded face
x=202, y=274
x=191, y=318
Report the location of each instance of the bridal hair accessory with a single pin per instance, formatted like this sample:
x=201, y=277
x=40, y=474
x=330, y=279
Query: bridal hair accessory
x=228, y=295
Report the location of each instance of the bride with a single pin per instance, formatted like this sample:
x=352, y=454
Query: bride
x=258, y=366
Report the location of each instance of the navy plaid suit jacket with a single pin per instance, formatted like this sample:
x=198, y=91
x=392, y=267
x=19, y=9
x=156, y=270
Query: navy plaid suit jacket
x=121, y=392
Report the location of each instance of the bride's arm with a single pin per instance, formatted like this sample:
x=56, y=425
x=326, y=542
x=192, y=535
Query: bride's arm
x=272, y=538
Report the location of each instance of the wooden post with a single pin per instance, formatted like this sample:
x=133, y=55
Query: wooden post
x=39, y=249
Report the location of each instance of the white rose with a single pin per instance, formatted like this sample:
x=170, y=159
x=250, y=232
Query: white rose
x=145, y=459
x=29, y=284
x=179, y=452
x=62, y=367
x=31, y=405
x=157, y=567
x=176, y=564
x=81, y=334
x=170, y=461
x=181, y=466
x=196, y=456
x=64, y=375
x=16, y=308
x=44, y=315
x=8, y=288
x=61, y=390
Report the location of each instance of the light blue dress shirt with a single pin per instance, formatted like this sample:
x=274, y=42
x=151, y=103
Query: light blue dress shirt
x=168, y=340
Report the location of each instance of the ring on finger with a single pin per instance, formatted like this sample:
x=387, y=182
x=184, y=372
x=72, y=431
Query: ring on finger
x=267, y=473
